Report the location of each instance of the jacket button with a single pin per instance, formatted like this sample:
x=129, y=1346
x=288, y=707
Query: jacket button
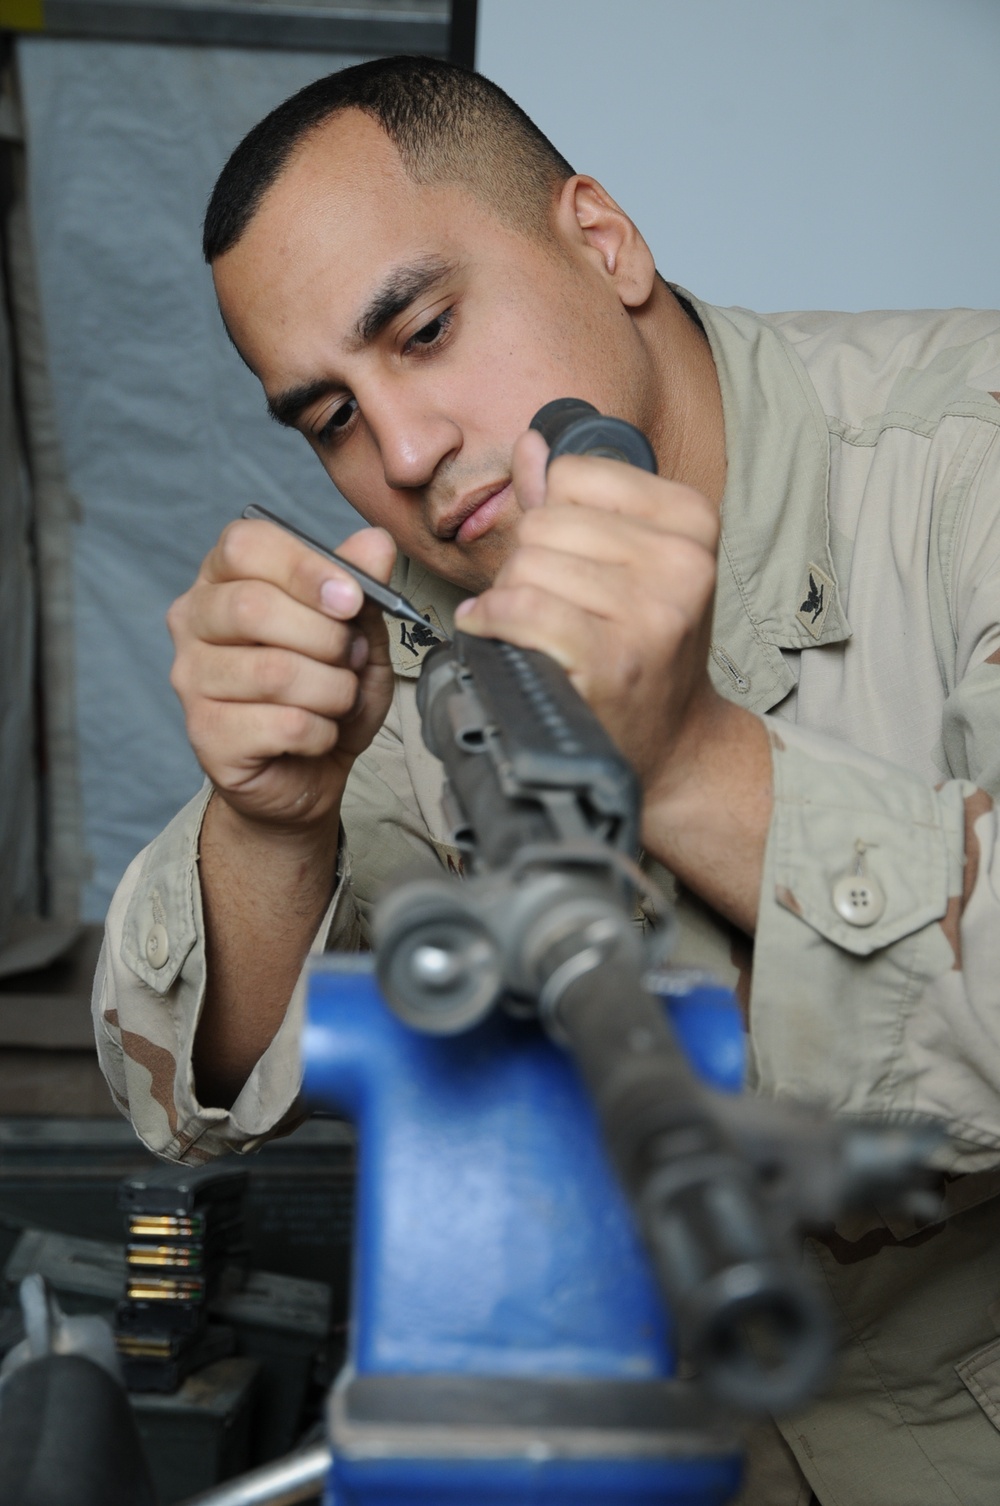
x=157, y=946
x=858, y=899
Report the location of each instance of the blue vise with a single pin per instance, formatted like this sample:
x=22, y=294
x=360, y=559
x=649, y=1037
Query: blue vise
x=508, y=1344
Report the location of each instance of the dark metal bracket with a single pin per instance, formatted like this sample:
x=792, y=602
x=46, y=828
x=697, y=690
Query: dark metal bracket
x=435, y=28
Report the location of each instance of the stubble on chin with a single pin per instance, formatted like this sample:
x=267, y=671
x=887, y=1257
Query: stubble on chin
x=485, y=558
x=474, y=567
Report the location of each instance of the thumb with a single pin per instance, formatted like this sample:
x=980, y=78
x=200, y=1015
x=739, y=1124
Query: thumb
x=373, y=550
x=531, y=454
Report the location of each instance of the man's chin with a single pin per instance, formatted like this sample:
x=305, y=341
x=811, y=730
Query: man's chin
x=473, y=566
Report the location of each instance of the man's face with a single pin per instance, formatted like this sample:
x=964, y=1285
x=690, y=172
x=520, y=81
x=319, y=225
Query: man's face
x=411, y=335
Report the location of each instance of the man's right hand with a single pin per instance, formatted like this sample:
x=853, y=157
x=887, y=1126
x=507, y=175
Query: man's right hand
x=283, y=670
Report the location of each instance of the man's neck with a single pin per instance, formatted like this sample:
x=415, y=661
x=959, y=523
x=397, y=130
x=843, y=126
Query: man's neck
x=688, y=431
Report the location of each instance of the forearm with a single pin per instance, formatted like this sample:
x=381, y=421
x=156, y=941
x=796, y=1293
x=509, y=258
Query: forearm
x=708, y=815
x=264, y=893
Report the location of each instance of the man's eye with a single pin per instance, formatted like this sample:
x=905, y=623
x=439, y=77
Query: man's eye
x=337, y=421
x=431, y=333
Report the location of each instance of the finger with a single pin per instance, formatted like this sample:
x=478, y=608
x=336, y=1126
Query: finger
x=683, y=577
x=581, y=639
x=373, y=630
x=274, y=675
x=373, y=550
x=531, y=455
x=613, y=486
x=257, y=612
x=577, y=640
x=531, y=617
x=251, y=549
x=233, y=739
x=607, y=537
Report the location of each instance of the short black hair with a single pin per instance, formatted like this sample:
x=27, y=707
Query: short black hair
x=447, y=123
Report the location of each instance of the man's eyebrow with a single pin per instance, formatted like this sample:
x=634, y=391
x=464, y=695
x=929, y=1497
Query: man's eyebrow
x=287, y=407
x=396, y=293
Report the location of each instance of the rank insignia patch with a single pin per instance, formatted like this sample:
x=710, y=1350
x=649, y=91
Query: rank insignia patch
x=814, y=601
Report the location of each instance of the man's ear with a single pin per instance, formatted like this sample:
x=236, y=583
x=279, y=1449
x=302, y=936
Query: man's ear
x=589, y=220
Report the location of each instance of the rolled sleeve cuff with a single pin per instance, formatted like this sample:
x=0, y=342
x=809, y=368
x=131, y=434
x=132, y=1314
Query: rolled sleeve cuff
x=150, y=990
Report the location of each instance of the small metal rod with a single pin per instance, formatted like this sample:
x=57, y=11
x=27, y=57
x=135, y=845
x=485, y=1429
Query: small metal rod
x=297, y=1477
x=393, y=602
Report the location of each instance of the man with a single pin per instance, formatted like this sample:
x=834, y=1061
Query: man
x=411, y=270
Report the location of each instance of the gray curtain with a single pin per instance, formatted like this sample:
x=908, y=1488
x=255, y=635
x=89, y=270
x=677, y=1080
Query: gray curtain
x=18, y=792
x=162, y=432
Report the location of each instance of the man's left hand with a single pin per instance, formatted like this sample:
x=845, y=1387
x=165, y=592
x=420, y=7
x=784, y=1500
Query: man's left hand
x=614, y=577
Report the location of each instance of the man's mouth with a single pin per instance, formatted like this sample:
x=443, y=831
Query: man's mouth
x=475, y=514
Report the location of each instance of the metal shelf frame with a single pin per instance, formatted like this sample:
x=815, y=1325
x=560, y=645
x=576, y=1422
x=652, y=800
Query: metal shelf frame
x=434, y=28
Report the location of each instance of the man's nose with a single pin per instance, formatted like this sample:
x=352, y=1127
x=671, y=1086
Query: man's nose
x=413, y=441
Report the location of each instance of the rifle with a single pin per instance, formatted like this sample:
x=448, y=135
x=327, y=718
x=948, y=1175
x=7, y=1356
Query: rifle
x=546, y=812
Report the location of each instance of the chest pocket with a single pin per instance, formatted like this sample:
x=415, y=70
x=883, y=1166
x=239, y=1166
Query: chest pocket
x=980, y=1375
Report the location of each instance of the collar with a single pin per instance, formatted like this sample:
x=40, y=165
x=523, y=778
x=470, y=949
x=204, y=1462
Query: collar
x=777, y=584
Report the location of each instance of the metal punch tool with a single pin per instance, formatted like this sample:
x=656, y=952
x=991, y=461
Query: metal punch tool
x=385, y=597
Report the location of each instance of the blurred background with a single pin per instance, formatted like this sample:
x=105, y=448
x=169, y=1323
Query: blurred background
x=776, y=153
x=779, y=154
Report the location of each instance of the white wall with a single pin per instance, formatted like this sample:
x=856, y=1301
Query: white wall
x=779, y=153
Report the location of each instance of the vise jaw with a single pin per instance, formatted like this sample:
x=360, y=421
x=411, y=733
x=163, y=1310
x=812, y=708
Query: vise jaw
x=508, y=1342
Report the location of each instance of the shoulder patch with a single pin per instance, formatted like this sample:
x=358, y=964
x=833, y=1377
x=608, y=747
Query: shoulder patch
x=816, y=595
x=409, y=642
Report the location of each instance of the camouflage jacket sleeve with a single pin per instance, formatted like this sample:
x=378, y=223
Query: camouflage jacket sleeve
x=151, y=978
x=148, y=995
x=877, y=957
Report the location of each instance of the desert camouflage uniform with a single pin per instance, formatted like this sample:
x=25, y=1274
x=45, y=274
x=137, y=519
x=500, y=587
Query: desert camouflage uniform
x=859, y=612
